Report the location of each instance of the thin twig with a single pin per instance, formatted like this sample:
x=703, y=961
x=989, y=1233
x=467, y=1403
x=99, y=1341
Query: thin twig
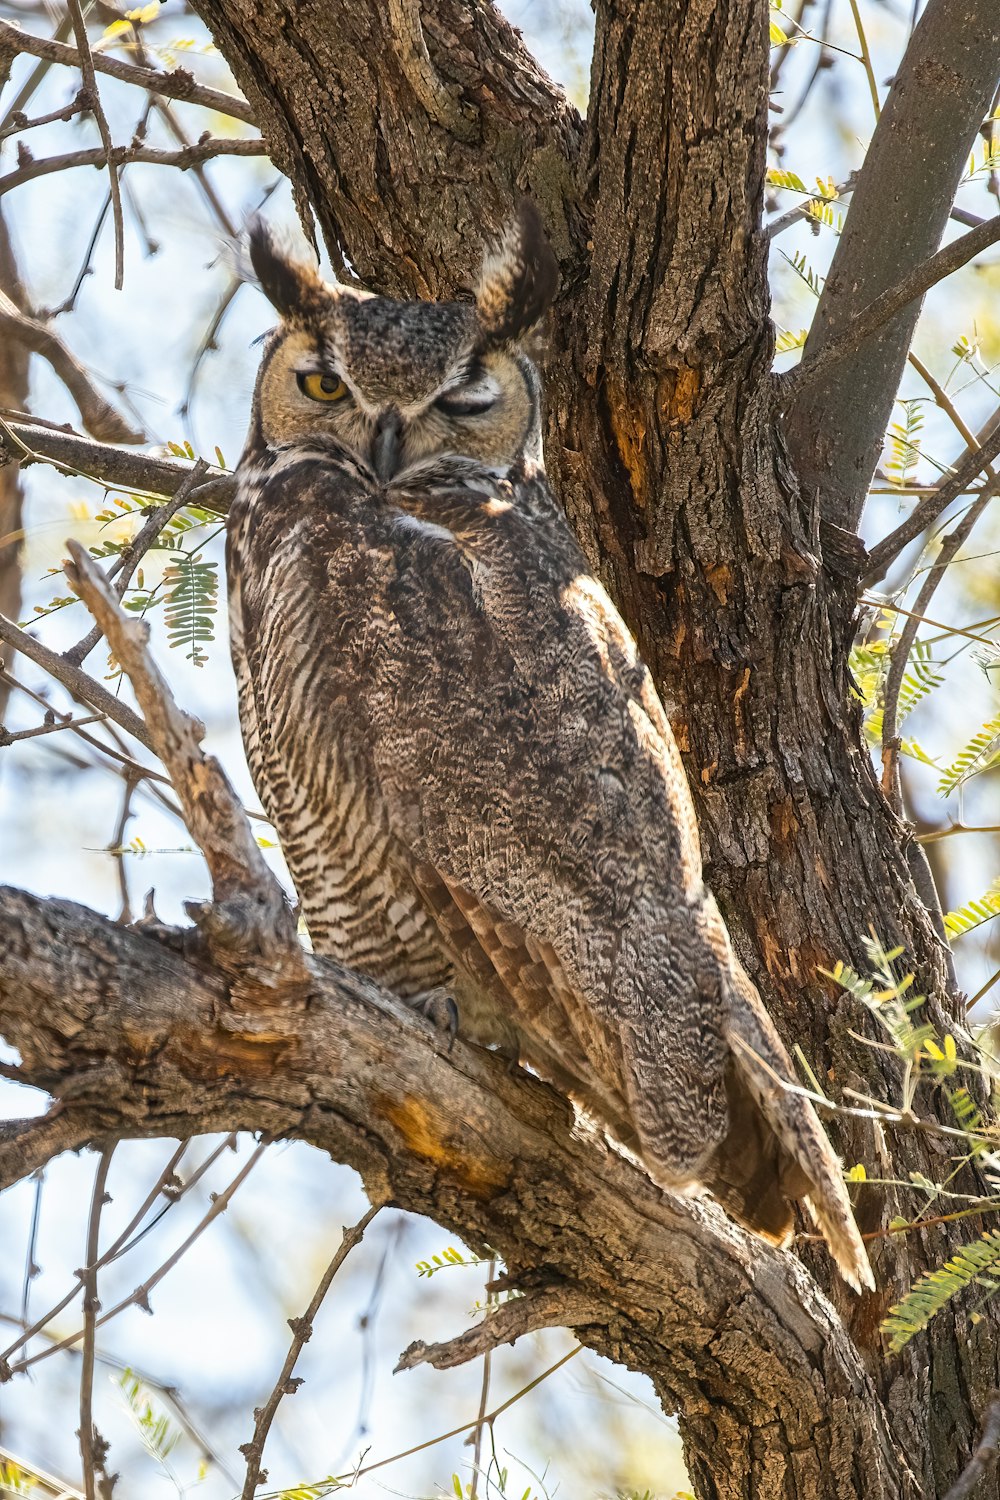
x=21, y=123
x=124, y=763
x=484, y=1396
x=302, y=1329
x=131, y=555
x=949, y=832
x=928, y=511
x=31, y=1266
x=178, y=84
x=902, y=648
x=140, y=1296
x=205, y=149
x=442, y=1437
x=116, y=848
x=80, y=683
x=11, y=738
x=36, y=77
x=97, y=108
x=984, y=991
x=883, y=308
x=866, y=58
x=124, y=1242
x=89, y=1438
x=985, y=1456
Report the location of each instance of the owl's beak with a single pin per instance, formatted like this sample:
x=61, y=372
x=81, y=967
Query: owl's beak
x=385, y=447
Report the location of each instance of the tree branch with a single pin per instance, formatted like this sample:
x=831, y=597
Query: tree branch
x=551, y=1308
x=985, y=1457
x=249, y=915
x=93, y=102
x=25, y=440
x=79, y=683
x=203, y=150
x=940, y=94
x=878, y=313
x=130, y=556
x=302, y=1329
x=179, y=84
x=139, y=1042
x=926, y=513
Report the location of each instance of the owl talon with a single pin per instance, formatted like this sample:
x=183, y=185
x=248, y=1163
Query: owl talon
x=438, y=1007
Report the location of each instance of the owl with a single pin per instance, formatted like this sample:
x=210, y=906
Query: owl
x=473, y=780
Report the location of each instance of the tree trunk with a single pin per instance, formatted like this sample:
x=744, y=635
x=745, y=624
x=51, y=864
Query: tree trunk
x=665, y=446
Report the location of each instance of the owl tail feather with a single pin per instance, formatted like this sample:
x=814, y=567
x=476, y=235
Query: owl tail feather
x=776, y=1150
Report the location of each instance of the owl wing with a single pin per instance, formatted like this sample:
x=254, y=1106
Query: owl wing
x=582, y=883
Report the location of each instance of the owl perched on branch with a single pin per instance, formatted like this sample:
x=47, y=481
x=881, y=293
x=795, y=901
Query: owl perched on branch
x=474, y=783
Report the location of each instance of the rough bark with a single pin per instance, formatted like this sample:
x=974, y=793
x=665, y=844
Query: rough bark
x=919, y=151
x=664, y=446
x=138, y=1041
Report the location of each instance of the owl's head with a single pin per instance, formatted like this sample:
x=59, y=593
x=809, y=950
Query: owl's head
x=400, y=382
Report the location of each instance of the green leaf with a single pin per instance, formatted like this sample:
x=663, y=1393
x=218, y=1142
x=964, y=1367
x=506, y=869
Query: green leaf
x=935, y=1290
x=967, y=918
x=779, y=178
x=192, y=602
x=981, y=754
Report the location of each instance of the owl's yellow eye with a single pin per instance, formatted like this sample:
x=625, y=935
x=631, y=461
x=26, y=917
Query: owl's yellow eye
x=322, y=387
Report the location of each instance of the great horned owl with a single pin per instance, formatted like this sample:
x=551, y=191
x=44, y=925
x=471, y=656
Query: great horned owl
x=473, y=780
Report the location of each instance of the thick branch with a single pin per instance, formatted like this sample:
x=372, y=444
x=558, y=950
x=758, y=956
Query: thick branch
x=25, y=440
x=937, y=102
x=140, y=1042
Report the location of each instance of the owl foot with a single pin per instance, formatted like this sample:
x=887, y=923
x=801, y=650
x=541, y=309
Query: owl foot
x=438, y=1007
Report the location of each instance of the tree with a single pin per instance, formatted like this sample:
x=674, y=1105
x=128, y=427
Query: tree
x=721, y=505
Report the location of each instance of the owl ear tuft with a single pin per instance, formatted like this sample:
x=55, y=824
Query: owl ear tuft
x=518, y=279
x=291, y=286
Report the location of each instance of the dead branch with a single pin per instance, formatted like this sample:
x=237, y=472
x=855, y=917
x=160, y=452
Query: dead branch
x=250, y=912
x=130, y=557
x=302, y=1329
x=553, y=1308
x=79, y=683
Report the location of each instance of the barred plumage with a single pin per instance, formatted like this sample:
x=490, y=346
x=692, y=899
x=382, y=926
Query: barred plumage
x=473, y=780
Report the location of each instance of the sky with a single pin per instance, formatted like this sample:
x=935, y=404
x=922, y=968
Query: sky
x=217, y=1332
